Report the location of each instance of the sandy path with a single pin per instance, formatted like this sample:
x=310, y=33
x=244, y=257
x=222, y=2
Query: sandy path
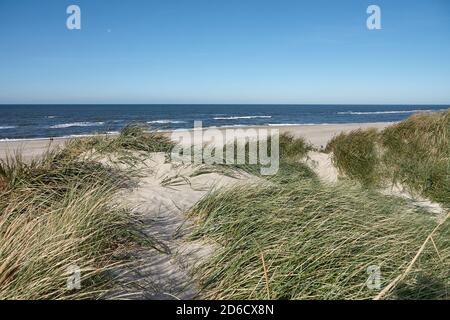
x=322, y=165
x=167, y=274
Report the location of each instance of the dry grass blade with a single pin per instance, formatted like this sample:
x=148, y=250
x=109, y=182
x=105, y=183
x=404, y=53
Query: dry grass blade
x=398, y=279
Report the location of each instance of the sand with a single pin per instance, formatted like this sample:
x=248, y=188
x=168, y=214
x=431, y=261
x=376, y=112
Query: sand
x=164, y=194
x=29, y=149
x=321, y=164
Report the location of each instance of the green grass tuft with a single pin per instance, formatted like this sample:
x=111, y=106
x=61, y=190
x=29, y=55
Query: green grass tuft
x=133, y=139
x=292, y=148
x=356, y=155
x=417, y=154
x=414, y=153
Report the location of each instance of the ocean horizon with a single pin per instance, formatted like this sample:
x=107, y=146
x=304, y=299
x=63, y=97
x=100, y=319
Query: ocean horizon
x=64, y=120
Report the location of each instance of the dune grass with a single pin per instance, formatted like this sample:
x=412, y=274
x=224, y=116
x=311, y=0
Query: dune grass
x=355, y=153
x=417, y=154
x=293, y=148
x=291, y=151
x=305, y=240
x=414, y=153
x=134, y=141
x=60, y=211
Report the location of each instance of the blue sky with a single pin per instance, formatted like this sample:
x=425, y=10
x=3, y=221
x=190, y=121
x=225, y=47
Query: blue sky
x=225, y=51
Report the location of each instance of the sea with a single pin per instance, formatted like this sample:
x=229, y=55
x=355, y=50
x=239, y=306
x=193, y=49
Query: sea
x=43, y=121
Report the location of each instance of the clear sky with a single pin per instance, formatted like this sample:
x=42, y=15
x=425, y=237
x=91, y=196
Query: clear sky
x=225, y=51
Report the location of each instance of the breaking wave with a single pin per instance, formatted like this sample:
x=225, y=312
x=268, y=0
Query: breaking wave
x=76, y=124
x=389, y=112
x=240, y=117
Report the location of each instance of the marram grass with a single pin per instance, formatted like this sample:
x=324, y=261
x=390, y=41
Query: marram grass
x=305, y=240
x=134, y=141
x=60, y=212
x=355, y=153
x=414, y=153
x=417, y=154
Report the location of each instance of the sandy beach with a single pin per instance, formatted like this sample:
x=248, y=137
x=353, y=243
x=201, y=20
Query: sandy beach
x=318, y=135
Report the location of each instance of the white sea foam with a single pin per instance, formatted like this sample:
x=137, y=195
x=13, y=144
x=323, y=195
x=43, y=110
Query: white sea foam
x=165, y=121
x=60, y=137
x=240, y=117
x=296, y=124
x=233, y=126
x=7, y=127
x=76, y=124
x=389, y=112
x=22, y=139
x=174, y=130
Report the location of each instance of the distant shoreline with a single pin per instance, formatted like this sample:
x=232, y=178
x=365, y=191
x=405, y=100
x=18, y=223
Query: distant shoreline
x=318, y=135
